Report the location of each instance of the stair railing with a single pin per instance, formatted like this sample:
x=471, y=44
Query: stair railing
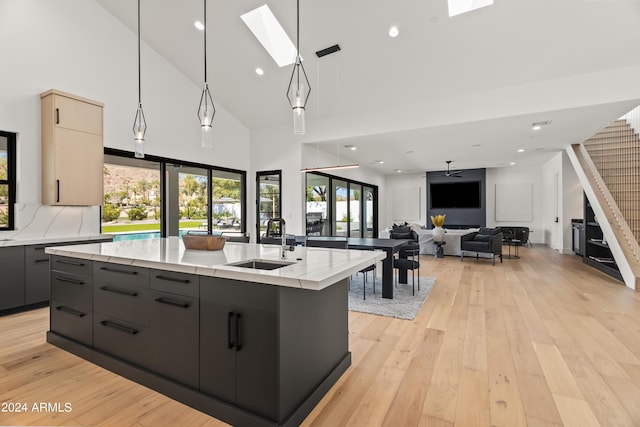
x=618, y=219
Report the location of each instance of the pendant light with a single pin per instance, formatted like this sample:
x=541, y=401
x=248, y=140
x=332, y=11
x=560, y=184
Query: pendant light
x=206, y=110
x=139, y=124
x=297, y=93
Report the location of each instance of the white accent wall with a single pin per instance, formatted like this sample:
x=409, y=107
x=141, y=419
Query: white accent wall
x=78, y=47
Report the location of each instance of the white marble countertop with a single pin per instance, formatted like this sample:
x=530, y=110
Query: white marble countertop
x=310, y=268
x=40, y=240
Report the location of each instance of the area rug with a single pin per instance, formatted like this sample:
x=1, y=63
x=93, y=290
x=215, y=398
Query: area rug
x=404, y=305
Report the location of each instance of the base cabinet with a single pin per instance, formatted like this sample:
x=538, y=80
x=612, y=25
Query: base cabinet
x=248, y=353
x=36, y=283
x=239, y=344
x=12, y=271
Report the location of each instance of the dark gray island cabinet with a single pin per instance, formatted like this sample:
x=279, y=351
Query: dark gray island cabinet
x=244, y=352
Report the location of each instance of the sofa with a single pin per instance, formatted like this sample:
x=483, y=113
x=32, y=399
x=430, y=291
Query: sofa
x=484, y=241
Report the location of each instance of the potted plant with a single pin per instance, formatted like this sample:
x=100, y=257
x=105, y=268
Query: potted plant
x=438, y=231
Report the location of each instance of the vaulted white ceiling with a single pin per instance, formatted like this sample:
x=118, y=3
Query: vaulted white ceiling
x=439, y=89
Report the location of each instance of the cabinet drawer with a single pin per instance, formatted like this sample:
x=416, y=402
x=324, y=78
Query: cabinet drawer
x=176, y=283
x=123, y=339
x=77, y=266
x=130, y=303
x=116, y=274
x=35, y=251
x=72, y=322
x=72, y=290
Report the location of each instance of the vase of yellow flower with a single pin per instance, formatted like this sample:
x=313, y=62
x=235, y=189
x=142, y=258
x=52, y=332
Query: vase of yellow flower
x=438, y=231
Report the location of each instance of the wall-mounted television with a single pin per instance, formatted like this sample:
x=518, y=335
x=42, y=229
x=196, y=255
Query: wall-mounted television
x=460, y=194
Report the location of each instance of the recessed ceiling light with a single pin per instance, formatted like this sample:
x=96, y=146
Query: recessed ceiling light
x=199, y=25
x=398, y=170
x=521, y=150
x=409, y=152
x=512, y=163
x=536, y=127
x=351, y=147
x=259, y=71
x=377, y=162
x=264, y=25
x=394, y=31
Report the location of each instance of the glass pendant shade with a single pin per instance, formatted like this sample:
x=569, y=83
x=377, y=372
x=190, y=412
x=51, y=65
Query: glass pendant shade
x=206, y=112
x=139, y=130
x=298, y=94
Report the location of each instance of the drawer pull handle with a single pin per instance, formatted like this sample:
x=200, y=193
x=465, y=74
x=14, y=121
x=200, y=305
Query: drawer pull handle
x=75, y=263
x=172, y=279
x=117, y=270
x=41, y=260
x=119, y=291
x=119, y=327
x=70, y=311
x=68, y=280
x=173, y=302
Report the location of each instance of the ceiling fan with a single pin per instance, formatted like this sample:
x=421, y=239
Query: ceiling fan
x=449, y=172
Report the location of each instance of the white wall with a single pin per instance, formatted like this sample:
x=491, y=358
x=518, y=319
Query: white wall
x=404, y=185
x=560, y=179
x=78, y=47
x=511, y=175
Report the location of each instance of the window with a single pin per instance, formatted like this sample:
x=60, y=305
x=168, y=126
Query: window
x=268, y=200
x=340, y=207
x=158, y=197
x=7, y=179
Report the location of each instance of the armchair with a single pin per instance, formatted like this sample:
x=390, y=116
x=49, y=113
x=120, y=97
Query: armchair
x=486, y=240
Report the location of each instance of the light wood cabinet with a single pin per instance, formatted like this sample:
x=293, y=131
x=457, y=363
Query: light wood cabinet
x=72, y=150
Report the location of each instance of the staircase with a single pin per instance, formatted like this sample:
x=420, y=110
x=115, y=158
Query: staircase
x=608, y=166
x=615, y=152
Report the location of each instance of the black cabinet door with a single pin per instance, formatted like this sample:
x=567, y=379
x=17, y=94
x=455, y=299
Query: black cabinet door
x=175, y=333
x=238, y=344
x=217, y=348
x=12, y=277
x=36, y=274
x=257, y=361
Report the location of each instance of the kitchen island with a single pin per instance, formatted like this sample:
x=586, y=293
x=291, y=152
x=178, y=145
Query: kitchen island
x=240, y=334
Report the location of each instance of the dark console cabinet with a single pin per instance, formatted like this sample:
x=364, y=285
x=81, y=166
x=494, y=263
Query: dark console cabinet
x=596, y=250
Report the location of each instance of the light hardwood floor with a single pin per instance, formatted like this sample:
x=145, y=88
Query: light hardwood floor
x=540, y=341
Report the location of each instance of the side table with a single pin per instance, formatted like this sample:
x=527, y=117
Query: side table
x=515, y=243
x=438, y=252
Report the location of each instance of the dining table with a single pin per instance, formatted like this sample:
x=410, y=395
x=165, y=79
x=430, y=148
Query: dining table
x=390, y=246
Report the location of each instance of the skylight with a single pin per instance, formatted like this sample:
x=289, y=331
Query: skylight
x=457, y=7
x=271, y=35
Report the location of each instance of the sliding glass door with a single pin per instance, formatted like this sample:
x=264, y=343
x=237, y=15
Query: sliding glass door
x=340, y=207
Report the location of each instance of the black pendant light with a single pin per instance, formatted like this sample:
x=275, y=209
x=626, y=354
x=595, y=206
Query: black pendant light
x=206, y=110
x=139, y=124
x=297, y=93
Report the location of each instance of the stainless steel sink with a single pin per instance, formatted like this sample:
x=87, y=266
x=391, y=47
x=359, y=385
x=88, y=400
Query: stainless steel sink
x=261, y=264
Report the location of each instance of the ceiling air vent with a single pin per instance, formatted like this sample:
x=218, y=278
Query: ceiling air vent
x=327, y=51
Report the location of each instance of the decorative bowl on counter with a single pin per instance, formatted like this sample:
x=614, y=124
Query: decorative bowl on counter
x=203, y=242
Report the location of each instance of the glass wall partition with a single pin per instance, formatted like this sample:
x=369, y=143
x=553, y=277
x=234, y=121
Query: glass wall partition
x=268, y=199
x=337, y=206
x=159, y=197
